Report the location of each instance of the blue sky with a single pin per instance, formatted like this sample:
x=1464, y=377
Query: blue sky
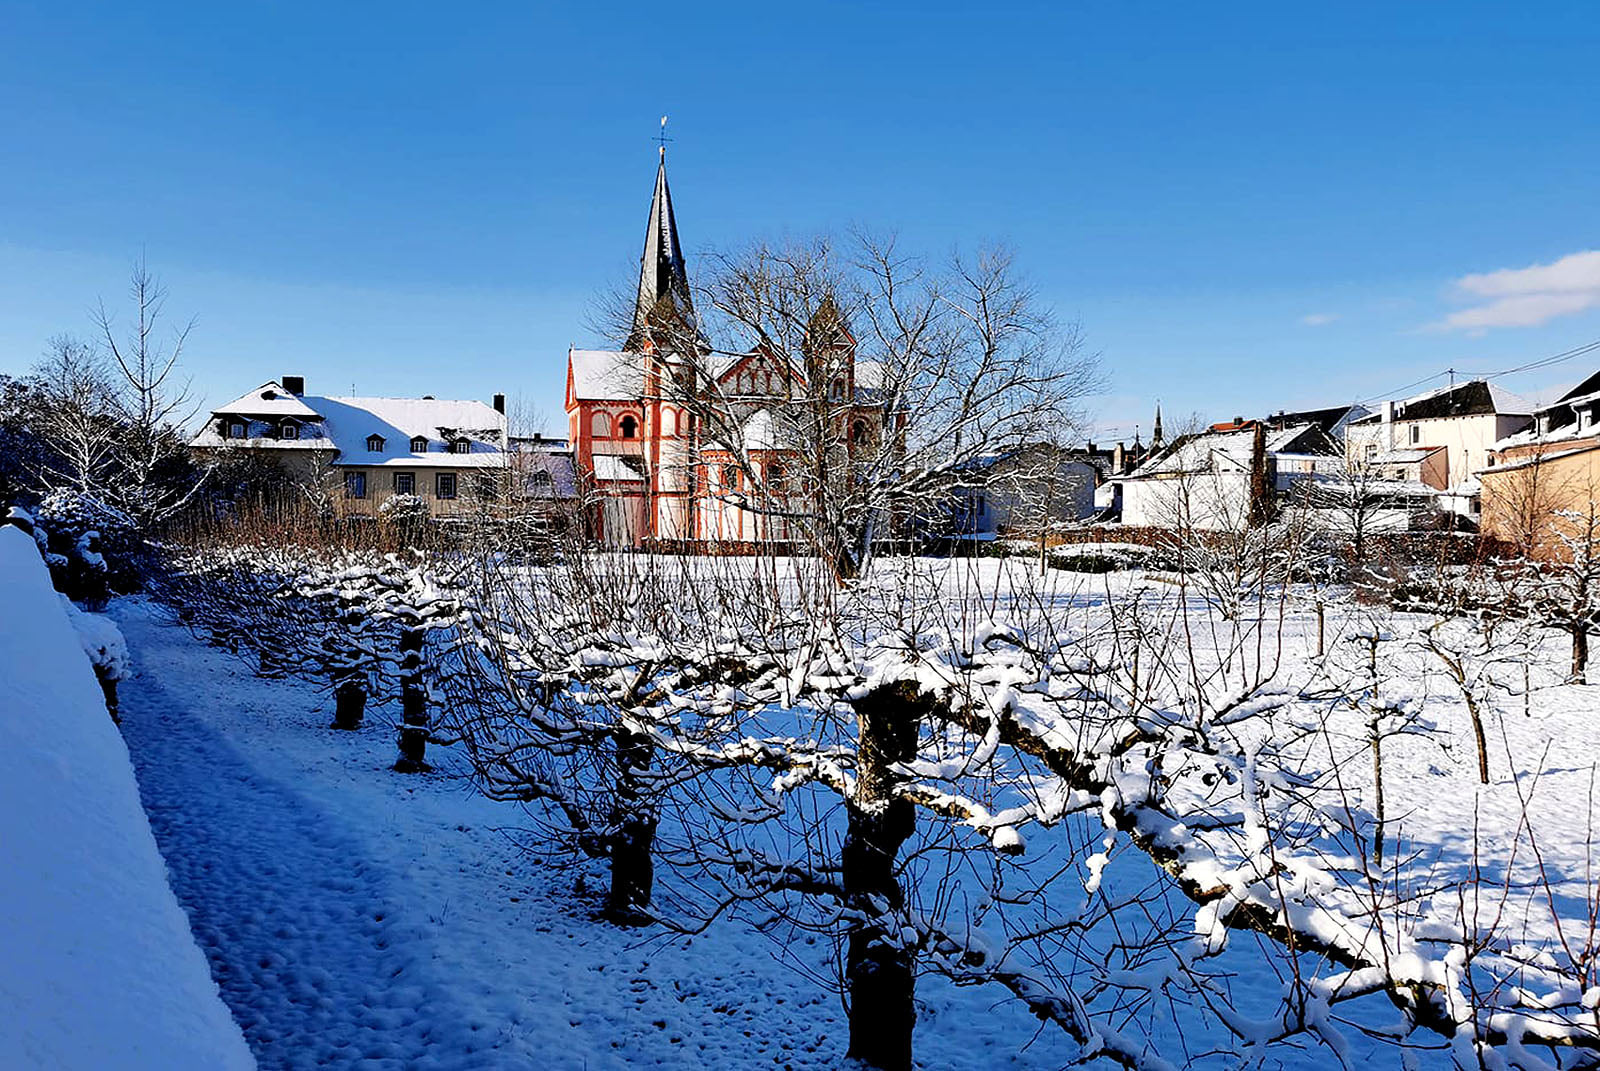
x=1247, y=207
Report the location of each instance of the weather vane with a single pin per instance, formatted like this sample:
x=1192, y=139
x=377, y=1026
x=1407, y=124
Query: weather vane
x=662, y=137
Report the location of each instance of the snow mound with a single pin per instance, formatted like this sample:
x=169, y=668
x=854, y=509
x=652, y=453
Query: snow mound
x=100, y=968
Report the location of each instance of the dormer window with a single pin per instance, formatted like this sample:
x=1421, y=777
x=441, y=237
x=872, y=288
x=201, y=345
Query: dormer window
x=236, y=430
x=419, y=445
x=289, y=430
x=461, y=446
x=374, y=444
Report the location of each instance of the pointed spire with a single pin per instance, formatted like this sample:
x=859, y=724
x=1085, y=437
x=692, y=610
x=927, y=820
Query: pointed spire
x=662, y=271
x=1155, y=433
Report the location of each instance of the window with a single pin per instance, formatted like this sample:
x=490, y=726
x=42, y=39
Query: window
x=730, y=477
x=445, y=485
x=419, y=445
x=775, y=477
x=630, y=427
x=542, y=484
x=858, y=433
x=355, y=485
x=486, y=487
x=374, y=444
x=405, y=483
x=983, y=506
x=461, y=446
x=289, y=431
x=669, y=422
x=236, y=430
x=600, y=426
x=1416, y=434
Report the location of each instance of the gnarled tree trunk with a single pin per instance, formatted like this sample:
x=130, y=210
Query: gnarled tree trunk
x=413, y=703
x=879, y=969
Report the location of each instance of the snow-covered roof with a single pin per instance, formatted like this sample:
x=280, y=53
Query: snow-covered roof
x=1227, y=449
x=267, y=400
x=1408, y=455
x=345, y=425
x=614, y=467
x=606, y=375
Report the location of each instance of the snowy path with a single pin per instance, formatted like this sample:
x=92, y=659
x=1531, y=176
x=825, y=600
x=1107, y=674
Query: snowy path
x=355, y=917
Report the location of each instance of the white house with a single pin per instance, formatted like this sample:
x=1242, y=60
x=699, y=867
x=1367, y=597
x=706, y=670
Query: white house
x=1465, y=420
x=450, y=454
x=1209, y=481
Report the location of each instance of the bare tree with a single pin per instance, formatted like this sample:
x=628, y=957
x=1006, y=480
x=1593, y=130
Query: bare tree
x=836, y=394
x=154, y=404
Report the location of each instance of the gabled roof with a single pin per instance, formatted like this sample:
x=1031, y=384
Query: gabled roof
x=345, y=424
x=1211, y=450
x=605, y=375
x=1476, y=397
x=268, y=400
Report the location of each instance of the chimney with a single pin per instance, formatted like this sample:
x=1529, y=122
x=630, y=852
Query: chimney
x=500, y=404
x=294, y=384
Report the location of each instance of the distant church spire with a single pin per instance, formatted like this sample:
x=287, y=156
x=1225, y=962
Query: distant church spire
x=662, y=271
x=1155, y=432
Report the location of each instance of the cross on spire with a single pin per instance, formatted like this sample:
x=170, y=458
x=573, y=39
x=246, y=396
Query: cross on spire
x=662, y=137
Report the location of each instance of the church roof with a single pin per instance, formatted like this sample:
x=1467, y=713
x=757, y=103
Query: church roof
x=605, y=375
x=663, y=272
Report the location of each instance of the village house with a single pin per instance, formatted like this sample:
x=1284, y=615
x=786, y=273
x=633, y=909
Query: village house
x=1020, y=492
x=1544, y=481
x=1465, y=420
x=1222, y=479
x=450, y=455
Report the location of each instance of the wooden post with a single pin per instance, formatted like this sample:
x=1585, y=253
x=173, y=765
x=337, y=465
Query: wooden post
x=1320, y=628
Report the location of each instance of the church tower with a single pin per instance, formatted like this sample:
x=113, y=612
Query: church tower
x=1156, y=438
x=663, y=273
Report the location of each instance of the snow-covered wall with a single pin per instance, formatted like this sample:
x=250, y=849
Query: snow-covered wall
x=97, y=965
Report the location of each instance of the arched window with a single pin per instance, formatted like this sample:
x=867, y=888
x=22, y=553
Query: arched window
x=775, y=477
x=669, y=422
x=730, y=477
x=419, y=445
x=629, y=426
x=600, y=426
x=858, y=433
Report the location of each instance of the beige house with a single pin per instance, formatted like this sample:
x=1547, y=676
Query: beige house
x=1466, y=421
x=363, y=452
x=1543, y=483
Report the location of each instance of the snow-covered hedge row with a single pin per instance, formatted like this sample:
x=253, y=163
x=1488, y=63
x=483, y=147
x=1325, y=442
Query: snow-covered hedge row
x=99, y=969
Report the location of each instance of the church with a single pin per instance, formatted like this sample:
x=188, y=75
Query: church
x=651, y=469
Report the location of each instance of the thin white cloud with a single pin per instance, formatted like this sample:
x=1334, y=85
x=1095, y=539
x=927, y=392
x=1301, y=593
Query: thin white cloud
x=1319, y=319
x=1527, y=297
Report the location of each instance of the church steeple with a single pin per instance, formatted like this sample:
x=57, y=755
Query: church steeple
x=662, y=271
x=1155, y=433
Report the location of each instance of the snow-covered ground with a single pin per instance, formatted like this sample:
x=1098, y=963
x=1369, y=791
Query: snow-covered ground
x=97, y=965
x=358, y=917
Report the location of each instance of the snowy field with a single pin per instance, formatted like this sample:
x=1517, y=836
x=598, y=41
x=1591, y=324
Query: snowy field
x=355, y=917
